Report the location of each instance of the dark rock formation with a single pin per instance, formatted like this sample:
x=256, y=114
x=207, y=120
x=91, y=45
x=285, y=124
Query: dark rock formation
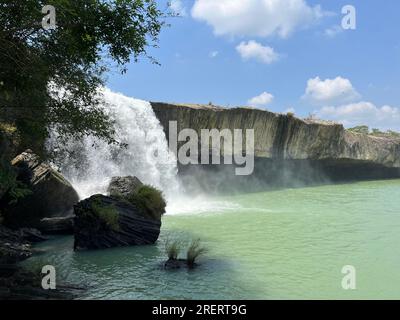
x=285, y=137
x=15, y=245
x=123, y=186
x=7, y=149
x=288, y=151
x=105, y=222
x=51, y=194
x=174, y=264
x=57, y=225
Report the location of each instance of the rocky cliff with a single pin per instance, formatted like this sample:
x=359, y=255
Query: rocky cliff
x=281, y=138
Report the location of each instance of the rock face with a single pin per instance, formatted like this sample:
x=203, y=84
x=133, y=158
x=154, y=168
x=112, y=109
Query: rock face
x=57, y=225
x=15, y=245
x=123, y=186
x=7, y=148
x=291, y=144
x=51, y=194
x=279, y=136
x=106, y=222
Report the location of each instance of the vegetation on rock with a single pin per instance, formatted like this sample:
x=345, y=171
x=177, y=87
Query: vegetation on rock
x=105, y=222
x=108, y=214
x=375, y=132
x=149, y=199
x=360, y=129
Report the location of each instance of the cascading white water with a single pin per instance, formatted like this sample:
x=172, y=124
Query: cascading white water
x=146, y=156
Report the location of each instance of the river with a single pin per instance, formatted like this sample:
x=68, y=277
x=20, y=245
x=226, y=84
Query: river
x=286, y=244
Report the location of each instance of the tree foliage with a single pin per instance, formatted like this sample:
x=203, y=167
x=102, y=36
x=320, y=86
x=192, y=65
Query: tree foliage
x=50, y=77
x=360, y=129
x=375, y=132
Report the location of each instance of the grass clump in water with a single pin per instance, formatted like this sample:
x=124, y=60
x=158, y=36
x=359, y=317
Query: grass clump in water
x=173, y=249
x=194, y=251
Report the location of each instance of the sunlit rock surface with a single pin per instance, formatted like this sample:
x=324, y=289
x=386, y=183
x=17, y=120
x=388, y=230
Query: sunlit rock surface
x=287, y=148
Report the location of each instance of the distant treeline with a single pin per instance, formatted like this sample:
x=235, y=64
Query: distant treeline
x=375, y=132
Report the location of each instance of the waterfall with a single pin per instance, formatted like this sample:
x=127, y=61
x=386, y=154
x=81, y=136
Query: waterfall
x=146, y=154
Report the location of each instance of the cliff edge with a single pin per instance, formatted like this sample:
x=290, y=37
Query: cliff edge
x=285, y=137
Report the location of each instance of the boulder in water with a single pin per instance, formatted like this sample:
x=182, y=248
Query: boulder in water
x=51, y=194
x=57, y=225
x=15, y=245
x=149, y=199
x=106, y=222
x=123, y=186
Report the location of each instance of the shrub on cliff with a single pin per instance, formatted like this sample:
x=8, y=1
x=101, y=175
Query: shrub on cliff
x=360, y=129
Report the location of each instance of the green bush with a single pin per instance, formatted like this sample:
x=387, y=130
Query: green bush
x=393, y=134
x=109, y=215
x=194, y=251
x=360, y=129
x=9, y=184
x=150, y=200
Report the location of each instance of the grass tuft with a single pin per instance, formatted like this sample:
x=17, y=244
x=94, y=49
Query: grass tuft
x=173, y=249
x=194, y=251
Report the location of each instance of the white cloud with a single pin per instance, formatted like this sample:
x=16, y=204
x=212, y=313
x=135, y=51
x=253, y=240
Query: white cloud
x=178, y=8
x=254, y=50
x=262, y=100
x=333, y=31
x=213, y=54
x=259, y=18
x=338, y=90
x=363, y=113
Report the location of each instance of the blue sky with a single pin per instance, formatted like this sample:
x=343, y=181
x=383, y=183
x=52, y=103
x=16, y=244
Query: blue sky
x=260, y=53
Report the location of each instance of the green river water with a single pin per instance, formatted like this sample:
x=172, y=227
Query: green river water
x=286, y=244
